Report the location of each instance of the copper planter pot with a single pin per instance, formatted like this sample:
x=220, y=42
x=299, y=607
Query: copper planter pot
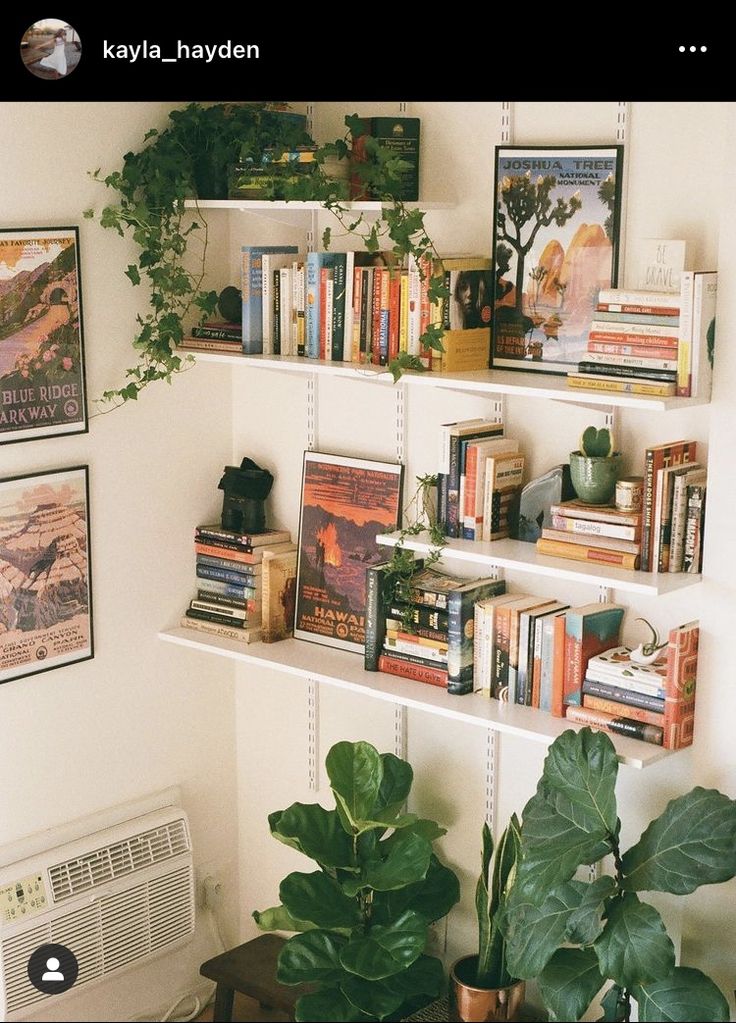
x=469, y=1004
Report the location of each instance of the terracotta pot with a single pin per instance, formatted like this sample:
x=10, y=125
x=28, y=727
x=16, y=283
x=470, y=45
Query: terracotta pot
x=470, y=1004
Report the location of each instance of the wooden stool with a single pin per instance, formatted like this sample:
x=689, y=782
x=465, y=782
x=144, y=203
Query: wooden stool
x=250, y=969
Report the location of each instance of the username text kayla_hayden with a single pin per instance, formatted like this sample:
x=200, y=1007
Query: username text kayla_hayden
x=180, y=51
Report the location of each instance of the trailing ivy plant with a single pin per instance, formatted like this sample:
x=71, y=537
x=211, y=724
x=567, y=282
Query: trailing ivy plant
x=574, y=937
x=420, y=516
x=364, y=914
x=189, y=159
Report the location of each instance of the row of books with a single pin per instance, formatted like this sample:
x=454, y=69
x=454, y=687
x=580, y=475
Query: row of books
x=480, y=475
x=422, y=628
x=356, y=307
x=239, y=579
x=467, y=635
x=651, y=342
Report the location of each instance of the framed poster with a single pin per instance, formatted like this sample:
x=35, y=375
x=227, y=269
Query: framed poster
x=555, y=245
x=42, y=386
x=45, y=582
x=345, y=504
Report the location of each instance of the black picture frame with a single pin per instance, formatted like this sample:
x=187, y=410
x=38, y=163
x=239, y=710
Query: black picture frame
x=42, y=367
x=45, y=572
x=556, y=228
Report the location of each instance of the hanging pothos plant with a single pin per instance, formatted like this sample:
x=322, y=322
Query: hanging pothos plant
x=189, y=159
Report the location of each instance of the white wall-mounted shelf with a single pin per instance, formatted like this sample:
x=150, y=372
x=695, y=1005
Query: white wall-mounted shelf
x=487, y=381
x=524, y=557
x=299, y=212
x=345, y=670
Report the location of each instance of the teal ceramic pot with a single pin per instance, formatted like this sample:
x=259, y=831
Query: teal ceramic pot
x=594, y=478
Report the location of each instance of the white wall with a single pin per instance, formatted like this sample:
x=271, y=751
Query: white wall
x=141, y=715
x=678, y=155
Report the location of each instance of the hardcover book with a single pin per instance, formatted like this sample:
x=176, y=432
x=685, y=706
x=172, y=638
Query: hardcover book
x=278, y=595
x=682, y=672
x=460, y=630
x=252, y=290
x=589, y=630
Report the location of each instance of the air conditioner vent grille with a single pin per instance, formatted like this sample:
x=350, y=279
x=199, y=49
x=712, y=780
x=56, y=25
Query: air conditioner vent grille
x=113, y=861
x=105, y=934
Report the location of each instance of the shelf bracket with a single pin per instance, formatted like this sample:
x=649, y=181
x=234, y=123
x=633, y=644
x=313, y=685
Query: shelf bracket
x=498, y=409
x=312, y=410
x=400, y=393
x=604, y=594
x=401, y=731
x=490, y=779
x=507, y=122
x=313, y=734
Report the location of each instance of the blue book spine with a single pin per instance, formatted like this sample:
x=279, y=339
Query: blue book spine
x=222, y=574
x=252, y=293
x=460, y=615
x=312, y=305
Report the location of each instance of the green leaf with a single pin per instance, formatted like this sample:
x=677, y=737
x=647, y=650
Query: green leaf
x=425, y=976
x=395, y=784
x=427, y=829
x=311, y=958
x=314, y=831
x=433, y=897
x=355, y=771
x=613, y=1005
x=278, y=918
x=386, y=950
x=318, y=898
x=536, y=927
x=692, y=843
x=687, y=994
x=370, y=996
x=582, y=766
x=483, y=905
x=569, y=982
x=556, y=840
x=634, y=947
x=327, y=1006
x=407, y=862
x=586, y=922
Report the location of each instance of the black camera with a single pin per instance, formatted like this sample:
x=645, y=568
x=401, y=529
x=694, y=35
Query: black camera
x=246, y=488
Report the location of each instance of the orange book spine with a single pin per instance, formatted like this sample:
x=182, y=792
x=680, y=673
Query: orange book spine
x=230, y=555
x=649, y=717
x=558, y=669
x=595, y=555
x=679, y=688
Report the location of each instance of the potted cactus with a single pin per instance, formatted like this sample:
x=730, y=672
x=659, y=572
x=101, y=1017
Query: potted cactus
x=594, y=468
x=481, y=987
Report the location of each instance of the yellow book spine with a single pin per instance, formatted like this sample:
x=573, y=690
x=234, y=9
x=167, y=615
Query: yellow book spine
x=592, y=555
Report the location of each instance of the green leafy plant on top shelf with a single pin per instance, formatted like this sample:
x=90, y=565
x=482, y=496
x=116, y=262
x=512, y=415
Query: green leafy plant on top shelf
x=189, y=159
x=364, y=915
x=573, y=936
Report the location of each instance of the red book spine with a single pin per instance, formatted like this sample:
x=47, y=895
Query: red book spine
x=417, y=672
x=558, y=668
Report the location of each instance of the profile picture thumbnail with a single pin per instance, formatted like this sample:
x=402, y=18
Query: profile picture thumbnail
x=50, y=48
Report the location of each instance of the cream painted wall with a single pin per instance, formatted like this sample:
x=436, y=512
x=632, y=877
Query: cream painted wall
x=678, y=157
x=139, y=716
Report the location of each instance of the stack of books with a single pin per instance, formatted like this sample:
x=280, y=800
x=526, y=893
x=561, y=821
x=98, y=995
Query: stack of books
x=423, y=629
x=215, y=336
x=632, y=343
x=598, y=534
x=229, y=580
x=654, y=702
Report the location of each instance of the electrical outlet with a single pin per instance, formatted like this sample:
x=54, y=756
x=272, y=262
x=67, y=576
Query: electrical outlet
x=212, y=891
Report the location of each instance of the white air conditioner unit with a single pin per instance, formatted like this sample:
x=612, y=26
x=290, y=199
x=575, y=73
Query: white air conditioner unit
x=115, y=898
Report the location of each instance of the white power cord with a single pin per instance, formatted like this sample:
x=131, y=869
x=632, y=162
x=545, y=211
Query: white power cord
x=171, y=1016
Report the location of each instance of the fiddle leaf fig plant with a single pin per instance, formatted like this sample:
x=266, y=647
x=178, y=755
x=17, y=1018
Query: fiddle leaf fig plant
x=574, y=936
x=364, y=914
x=189, y=159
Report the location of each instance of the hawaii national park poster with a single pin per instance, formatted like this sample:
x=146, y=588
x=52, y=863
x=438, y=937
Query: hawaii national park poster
x=346, y=503
x=42, y=391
